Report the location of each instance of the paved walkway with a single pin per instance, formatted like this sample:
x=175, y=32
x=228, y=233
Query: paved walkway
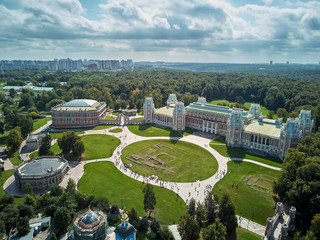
x=186, y=191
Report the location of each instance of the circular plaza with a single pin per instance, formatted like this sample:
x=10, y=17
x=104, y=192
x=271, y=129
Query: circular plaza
x=170, y=160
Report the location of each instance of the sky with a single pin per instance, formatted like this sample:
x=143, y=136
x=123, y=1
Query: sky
x=231, y=31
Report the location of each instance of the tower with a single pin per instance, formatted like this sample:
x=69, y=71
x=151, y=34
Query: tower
x=125, y=231
x=172, y=99
x=290, y=135
x=179, y=117
x=202, y=100
x=255, y=110
x=235, y=128
x=148, y=109
x=306, y=123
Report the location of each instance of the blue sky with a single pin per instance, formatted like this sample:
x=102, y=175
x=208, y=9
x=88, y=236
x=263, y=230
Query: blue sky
x=159, y=30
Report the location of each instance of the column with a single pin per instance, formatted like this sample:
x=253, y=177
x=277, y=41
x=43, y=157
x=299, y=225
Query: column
x=203, y=125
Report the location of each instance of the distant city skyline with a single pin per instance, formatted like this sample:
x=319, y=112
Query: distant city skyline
x=228, y=31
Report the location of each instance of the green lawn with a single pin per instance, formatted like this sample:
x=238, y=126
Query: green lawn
x=139, y=118
x=15, y=160
x=4, y=177
x=102, y=179
x=116, y=113
x=99, y=146
x=219, y=102
x=110, y=117
x=234, y=152
x=96, y=146
x=55, y=135
x=254, y=194
x=38, y=123
x=150, y=130
x=177, y=161
x=243, y=234
x=115, y=130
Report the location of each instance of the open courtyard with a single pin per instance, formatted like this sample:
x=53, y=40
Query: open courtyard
x=176, y=161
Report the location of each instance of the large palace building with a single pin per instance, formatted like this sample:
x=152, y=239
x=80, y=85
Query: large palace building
x=248, y=129
x=78, y=113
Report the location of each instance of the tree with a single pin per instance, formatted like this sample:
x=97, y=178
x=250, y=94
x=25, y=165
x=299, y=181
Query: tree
x=78, y=147
x=188, y=228
x=134, y=218
x=149, y=200
x=192, y=207
x=211, y=209
x=2, y=128
x=200, y=214
x=67, y=141
x=9, y=215
x=30, y=200
x=6, y=199
x=28, y=189
x=282, y=113
x=315, y=225
x=26, y=125
x=298, y=181
x=166, y=234
x=56, y=190
x=54, y=236
x=71, y=187
x=23, y=226
x=12, y=92
x=227, y=213
x=215, y=231
x=14, y=139
x=61, y=220
x=102, y=203
x=25, y=210
x=45, y=146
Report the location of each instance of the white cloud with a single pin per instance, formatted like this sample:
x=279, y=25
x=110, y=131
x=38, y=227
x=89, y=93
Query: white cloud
x=211, y=27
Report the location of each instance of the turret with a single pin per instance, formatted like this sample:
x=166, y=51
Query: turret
x=148, y=109
x=172, y=99
x=306, y=123
x=255, y=110
x=179, y=117
x=235, y=128
x=202, y=100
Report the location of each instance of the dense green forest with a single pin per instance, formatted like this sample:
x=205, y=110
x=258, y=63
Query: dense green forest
x=121, y=89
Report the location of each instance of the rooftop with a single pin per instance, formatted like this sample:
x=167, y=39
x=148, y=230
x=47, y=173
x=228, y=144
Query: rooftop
x=167, y=110
x=41, y=166
x=78, y=105
x=215, y=109
x=267, y=128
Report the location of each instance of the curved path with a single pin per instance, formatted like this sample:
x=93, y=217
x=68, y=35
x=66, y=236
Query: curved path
x=186, y=191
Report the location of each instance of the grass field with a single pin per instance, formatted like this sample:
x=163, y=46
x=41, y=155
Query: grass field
x=150, y=130
x=138, y=118
x=177, y=161
x=38, y=123
x=234, y=152
x=116, y=130
x=116, y=113
x=15, y=160
x=99, y=146
x=4, y=177
x=246, y=105
x=96, y=146
x=243, y=234
x=110, y=117
x=55, y=135
x=103, y=179
x=253, y=197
